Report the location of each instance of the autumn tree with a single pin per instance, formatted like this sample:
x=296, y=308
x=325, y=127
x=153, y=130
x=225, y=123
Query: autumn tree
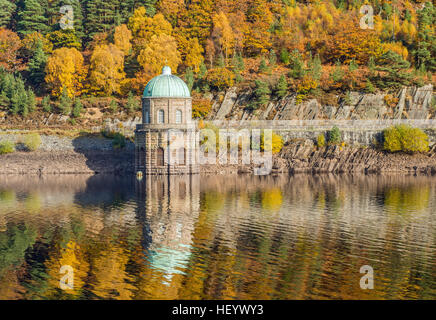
x=258, y=37
x=220, y=78
x=31, y=41
x=65, y=70
x=10, y=44
x=171, y=10
x=144, y=27
x=222, y=33
x=106, y=69
x=197, y=19
x=160, y=51
x=64, y=39
x=122, y=37
x=194, y=56
x=352, y=43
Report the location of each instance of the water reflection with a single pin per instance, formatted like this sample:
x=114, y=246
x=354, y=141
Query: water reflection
x=235, y=237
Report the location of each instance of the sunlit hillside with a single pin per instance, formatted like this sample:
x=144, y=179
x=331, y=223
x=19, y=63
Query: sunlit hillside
x=65, y=56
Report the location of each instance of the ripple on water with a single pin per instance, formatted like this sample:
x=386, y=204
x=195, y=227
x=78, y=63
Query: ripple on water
x=243, y=237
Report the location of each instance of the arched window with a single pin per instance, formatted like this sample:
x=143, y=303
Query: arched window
x=178, y=116
x=147, y=117
x=160, y=157
x=161, y=116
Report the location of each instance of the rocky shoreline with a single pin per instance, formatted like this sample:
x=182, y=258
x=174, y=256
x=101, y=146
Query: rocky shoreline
x=67, y=162
x=300, y=156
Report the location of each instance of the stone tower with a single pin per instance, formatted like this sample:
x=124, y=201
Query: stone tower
x=166, y=141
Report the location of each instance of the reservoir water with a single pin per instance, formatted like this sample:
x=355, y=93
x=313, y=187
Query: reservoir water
x=217, y=237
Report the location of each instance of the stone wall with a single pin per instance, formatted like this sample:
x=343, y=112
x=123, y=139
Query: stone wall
x=59, y=143
x=362, y=132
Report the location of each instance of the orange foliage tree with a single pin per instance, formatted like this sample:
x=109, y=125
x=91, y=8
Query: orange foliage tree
x=10, y=44
x=352, y=43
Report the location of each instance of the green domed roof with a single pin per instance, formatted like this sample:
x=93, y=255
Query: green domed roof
x=166, y=85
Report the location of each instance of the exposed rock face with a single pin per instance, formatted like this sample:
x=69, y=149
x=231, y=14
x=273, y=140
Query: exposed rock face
x=303, y=156
x=227, y=104
x=413, y=103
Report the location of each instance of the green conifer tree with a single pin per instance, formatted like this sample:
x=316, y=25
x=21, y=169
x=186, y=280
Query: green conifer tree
x=36, y=66
x=282, y=87
x=7, y=8
x=425, y=53
x=65, y=103
x=32, y=17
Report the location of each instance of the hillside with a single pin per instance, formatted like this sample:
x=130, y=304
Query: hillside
x=85, y=60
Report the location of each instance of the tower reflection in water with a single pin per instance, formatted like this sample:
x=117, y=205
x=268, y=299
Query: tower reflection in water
x=168, y=207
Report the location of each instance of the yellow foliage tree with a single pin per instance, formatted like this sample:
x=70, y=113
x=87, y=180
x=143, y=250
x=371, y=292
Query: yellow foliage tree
x=122, y=37
x=160, y=51
x=194, y=56
x=171, y=9
x=257, y=37
x=65, y=69
x=144, y=28
x=220, y=78
x=396, y=47
x=30, y=41
x=223, y=33
x=107, y=69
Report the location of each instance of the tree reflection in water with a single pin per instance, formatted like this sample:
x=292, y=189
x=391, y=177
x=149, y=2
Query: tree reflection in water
x=217, y=237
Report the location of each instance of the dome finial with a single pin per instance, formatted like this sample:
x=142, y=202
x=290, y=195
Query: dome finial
x=166, y=70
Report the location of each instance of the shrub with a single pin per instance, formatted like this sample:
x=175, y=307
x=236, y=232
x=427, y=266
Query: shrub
x=220, y=78
x=113, y=106
x=65, y=103
x=262, y=94
x=406, y=139
x=200, y=108
x=285, y=56
x=334, y=135
x=32, y=141
x=132, y=103
x=209, y=144
x=277, y=143
x=6, y=147
x=77, y=109
x=281, y=87
x=46, y=105
x=320, y=141
x=119, y=141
